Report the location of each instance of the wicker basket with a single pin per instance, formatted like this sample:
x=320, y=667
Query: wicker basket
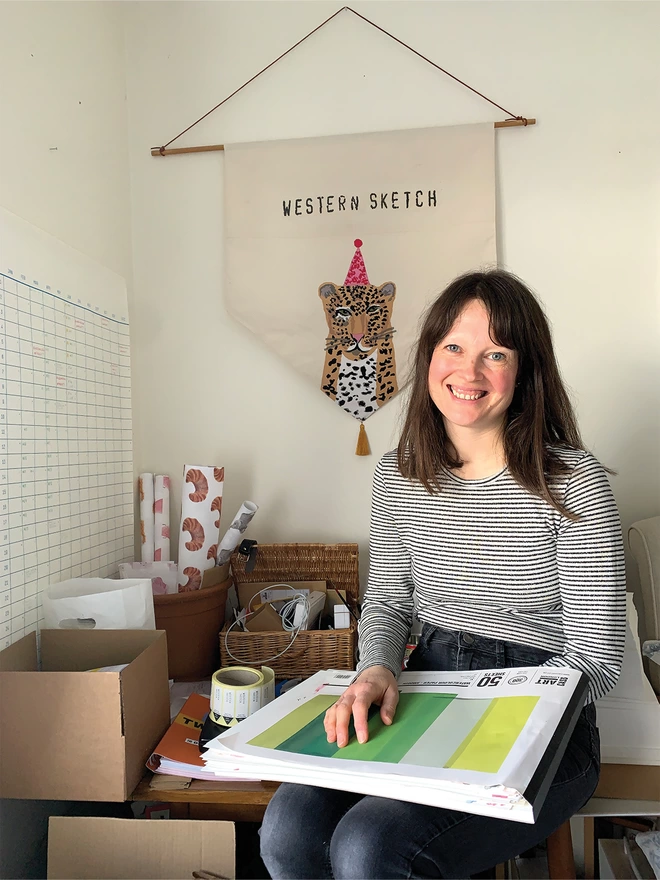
x=312, y=650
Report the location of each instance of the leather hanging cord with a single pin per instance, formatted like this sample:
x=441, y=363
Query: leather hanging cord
x=512, y=118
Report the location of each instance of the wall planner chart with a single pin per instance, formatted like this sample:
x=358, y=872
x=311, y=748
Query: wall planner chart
x=66, y=468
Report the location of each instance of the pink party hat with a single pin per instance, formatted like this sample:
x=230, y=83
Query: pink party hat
x=357, y=273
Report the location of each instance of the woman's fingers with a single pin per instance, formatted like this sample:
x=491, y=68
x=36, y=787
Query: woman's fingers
x=389, y=704
x=344, y=710
x=355, y=702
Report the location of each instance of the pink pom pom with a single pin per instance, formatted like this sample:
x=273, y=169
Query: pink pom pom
x=358, y=242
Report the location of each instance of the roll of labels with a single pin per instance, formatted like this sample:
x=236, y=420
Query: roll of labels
x=236, y=692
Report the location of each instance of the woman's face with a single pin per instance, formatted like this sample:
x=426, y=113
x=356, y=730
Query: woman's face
x=471, y=379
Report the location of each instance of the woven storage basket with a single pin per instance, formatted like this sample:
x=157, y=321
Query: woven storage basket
x=312, y=650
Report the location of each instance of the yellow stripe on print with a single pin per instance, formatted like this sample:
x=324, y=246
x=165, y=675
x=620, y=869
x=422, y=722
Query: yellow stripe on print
x=490, y=740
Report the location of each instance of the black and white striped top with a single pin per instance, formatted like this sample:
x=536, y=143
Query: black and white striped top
x=487, y=557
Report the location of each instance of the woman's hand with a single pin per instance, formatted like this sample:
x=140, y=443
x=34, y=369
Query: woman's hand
x=374, y=685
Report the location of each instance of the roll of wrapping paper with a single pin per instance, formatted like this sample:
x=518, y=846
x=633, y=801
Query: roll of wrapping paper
x=234, y=534
x=161, y=518
x=201, y=505
x=146, y=491
x=239, y=691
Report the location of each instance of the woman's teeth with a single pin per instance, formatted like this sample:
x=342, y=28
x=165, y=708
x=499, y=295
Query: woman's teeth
x=464, y=395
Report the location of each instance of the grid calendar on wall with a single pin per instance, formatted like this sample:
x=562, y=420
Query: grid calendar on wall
x=66, y=469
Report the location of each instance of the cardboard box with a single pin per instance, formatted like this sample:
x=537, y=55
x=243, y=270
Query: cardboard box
x=91, y=848
x=613, y=861
x=629, y=781
x=69, y=734
x=247, y=591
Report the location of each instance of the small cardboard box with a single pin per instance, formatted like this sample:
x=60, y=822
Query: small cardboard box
x=92, y=848
x=247, y=591
x=70, y=734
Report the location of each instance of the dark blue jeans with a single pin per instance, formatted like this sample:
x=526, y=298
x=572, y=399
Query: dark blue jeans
x=311, y=832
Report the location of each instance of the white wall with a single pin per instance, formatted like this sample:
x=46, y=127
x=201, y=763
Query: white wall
x=579, y=219
x=579, y=216
x=62, y=86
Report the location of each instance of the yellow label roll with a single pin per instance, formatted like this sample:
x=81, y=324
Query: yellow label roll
x=239, y=691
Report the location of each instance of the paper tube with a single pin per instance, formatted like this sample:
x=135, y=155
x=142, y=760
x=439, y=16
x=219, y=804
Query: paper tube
x=234, y=533
x=146, y=490
x=161, y=518
x=201, y=505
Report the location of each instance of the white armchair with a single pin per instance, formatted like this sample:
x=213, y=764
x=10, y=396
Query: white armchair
x=644, y=542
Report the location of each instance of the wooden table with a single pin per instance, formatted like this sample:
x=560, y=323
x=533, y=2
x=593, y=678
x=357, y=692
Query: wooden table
x=231, y=801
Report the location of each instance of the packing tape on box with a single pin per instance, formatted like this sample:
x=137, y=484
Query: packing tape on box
x=239, y=691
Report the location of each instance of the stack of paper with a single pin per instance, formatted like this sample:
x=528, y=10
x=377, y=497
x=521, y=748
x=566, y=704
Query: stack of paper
x=177, y=754
x=485, y=741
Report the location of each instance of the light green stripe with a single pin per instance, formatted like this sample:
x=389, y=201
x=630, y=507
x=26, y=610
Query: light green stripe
x=273, y=736
x=414, y=715
x=490, y=740
x=446, y=734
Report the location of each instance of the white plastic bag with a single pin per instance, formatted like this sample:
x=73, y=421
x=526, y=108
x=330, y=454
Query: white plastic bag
x=99, y=603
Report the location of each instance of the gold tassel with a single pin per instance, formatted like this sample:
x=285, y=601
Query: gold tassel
x=362, y=447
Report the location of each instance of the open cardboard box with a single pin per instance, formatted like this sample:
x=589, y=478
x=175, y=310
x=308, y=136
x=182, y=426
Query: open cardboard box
x=70, y=734
x=92, y=848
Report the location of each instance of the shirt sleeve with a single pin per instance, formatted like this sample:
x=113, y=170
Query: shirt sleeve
x=592, y=579
x=388, y=604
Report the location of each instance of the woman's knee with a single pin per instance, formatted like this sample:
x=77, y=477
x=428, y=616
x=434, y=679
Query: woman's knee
x=367, y=843
x=280, y=829
x=297, y=827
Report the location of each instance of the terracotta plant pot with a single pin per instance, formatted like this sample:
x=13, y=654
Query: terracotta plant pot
x=192, y=622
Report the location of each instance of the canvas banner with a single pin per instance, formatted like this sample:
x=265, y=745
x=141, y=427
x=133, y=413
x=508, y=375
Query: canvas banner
x=335, y=246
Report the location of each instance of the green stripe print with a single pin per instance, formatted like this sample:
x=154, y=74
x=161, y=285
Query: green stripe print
x=414, y=715
x=310, y=712
x=386, y=743
x=490, y=740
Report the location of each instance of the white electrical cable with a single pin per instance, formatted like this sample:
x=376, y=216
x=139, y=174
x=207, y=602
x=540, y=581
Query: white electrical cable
x=289, y=607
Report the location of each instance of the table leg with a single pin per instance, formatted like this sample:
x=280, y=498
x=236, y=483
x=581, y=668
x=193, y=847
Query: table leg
x=589, y=848
x=561, y=864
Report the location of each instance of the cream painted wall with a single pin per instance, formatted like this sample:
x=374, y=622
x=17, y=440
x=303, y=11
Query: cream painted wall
x=579, y=219
x=64, y=168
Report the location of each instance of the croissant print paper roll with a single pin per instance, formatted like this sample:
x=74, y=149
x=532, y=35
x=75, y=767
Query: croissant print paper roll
x=201, y=504
x=161, y=518
x=146, y=492
x=234, y=534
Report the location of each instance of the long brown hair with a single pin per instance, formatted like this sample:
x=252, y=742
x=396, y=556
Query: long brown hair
x=540, y=415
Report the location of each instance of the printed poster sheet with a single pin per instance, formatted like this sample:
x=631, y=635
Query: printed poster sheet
x=484, y=741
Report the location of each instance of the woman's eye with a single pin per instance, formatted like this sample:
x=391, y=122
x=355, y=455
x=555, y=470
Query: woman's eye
x=452, y=347
x=498, y=356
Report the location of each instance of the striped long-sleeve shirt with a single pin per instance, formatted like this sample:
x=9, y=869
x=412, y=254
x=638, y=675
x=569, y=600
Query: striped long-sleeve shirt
x=488, y=557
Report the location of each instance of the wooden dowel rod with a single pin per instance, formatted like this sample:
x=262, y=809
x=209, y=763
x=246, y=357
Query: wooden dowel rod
x=214, y=148
x=211, y=148
x=511, y=123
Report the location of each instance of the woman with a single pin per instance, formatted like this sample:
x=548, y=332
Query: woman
x=493, y=517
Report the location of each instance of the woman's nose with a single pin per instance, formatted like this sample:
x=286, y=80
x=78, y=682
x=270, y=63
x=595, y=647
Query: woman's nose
x=471, y=368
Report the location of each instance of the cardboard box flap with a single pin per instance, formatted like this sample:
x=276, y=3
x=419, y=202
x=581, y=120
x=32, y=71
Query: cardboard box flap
x=61, y=729
x=145, y=696
x=76, y=650
x=21, y=656
x=92, y=848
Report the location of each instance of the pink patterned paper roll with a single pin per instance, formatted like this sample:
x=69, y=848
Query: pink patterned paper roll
x=161, y=518
x=200, y=523
x=146, y=492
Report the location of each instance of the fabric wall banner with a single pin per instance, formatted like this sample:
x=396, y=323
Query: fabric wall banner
x=334, y=247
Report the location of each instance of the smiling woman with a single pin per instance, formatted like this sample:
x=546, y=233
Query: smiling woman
x=472, y=379
x=494, y=522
